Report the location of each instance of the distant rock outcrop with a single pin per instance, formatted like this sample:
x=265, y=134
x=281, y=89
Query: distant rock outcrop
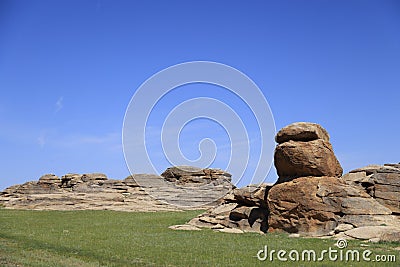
x=96, y=191
x=188, y=175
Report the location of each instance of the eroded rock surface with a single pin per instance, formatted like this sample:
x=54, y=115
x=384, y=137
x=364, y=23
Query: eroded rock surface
x=316, y=205
x=380, y=182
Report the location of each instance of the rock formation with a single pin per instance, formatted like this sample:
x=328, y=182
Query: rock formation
x=96, y=191
x=310, y=197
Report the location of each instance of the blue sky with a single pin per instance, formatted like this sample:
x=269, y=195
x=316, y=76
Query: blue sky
x=68, y=70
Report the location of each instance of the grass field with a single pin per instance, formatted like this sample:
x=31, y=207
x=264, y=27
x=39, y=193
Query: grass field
x=108, y=238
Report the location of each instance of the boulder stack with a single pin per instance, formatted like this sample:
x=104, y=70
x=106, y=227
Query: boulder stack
x=310, y=196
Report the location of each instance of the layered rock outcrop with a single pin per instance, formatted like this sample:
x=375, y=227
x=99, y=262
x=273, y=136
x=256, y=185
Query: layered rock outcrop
x=380, y=182
x=188, y=175
x=96, y=191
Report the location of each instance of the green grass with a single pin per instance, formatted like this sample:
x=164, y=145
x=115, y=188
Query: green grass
x=108, y=238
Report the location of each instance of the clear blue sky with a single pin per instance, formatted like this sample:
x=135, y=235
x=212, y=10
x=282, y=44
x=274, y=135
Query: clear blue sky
x=69, y=68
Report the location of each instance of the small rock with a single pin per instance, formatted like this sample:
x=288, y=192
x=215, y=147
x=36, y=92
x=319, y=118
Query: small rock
x=294, y=235
x=230, y=230
x=343, y=227
x=184, y=227
x=218, y=226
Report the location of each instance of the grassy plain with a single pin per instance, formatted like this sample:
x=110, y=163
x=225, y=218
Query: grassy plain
x=109, y=238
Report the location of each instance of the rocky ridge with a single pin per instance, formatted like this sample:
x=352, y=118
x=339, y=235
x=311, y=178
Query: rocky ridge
x=140, y=192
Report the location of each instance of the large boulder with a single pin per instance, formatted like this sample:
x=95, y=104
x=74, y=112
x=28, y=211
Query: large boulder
x=315, y=205
x=304, y=150
x=299, y=159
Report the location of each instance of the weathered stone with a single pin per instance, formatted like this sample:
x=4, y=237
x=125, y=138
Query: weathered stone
x=381, y=182
x=390, y=236
x=185, y=227
x=343, y=227
x=130, y=181
x=314, y=205
x=217, y=226
x=71, y=179
x=251, y=195
x=358, y=178
x=300, y=159
x=49, y=179
x=370, y=169
x=371, y=220
x=240, y=213
x=192, y=175
x=243, y=209
x=93, y=177
x=223, y=209
x=363, y=206
x=369, y=232
x=302, y=131
x=230, y=230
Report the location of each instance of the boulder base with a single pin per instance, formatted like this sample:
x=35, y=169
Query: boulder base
x=315, y=205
